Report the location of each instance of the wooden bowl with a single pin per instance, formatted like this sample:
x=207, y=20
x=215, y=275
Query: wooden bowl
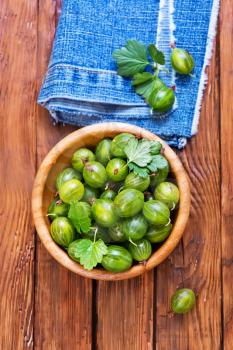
x=59, y=158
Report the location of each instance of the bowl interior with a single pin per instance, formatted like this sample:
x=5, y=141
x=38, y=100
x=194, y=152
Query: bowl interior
x=60, y=157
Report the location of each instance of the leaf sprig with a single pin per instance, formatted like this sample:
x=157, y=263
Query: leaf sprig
x=138, y=152
x=132, y=59
x=90, y=253
x=144, y=156
x=143, y=64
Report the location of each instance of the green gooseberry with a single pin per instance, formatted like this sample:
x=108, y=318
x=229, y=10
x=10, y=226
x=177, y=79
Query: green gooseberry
x=117, y=259
x=183, y=301
x=103, y=212
x=117, y=169
x=182, y=61
x=71, y=190
x=62, y=231
x=90, y=194
x=159, y=176
x=156, y=212
x=162, y=100
x=135, y=228
x=118, y=145
x=158, y=234
x=137, y=182
x=72, y=250
x=116, y=233
x=102, y=151
x=168, y=193
x=81, y=157
x=129, y=202
x=140, y=250
x=66, y=175
x=57, y=208
x=155, y=85
x=108, y=194
x=94, y=174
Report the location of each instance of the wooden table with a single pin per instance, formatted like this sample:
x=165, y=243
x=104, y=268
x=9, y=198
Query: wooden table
x=45, y=307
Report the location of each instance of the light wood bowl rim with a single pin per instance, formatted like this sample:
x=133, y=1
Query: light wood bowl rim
x=40, y=222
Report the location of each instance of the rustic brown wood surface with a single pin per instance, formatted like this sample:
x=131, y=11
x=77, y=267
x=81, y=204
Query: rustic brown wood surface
x=42, y=305
x=60, y=295
x=226, y=107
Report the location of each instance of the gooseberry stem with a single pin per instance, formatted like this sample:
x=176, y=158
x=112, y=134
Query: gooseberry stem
x=154, y=66
x=157, y=69
x=169, y=221
x=164, y=69
x=96, y=229
x=153, y=174
x=173, y=206
x=120, y=189
x=132, y=242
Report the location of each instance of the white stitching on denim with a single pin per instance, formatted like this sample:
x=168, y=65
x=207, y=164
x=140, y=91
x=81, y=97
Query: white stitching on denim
x=165, y=21
x=208, y=55
x=88, y=70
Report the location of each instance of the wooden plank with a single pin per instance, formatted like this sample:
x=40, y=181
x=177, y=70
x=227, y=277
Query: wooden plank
x=63, y=301
x=196, y=262
x=18, y=23
x=226, y=47
x=125, y=314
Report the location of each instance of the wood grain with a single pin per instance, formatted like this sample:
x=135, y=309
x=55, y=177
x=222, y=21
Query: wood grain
x=197, y=262
x=128, y=314
x=226, y=49
x=125, y=314
x=63, y=300
x=18, y=23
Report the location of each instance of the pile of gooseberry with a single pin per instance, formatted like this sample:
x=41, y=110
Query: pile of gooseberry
x=130, y=213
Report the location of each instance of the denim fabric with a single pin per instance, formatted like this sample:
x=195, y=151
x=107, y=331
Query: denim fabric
x=82, y=87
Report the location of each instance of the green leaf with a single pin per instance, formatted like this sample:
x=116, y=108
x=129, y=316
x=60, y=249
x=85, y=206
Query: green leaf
x=90, y=253
x=158, y=162
x=156, y=55
x=138, y=152
x=79, y=217
x=131, y=59
x=143, y=172
x=141, y=78
x=145, y=89
x=148, y=87
x=143, y=84
x=82, y=246
x=155, y=147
